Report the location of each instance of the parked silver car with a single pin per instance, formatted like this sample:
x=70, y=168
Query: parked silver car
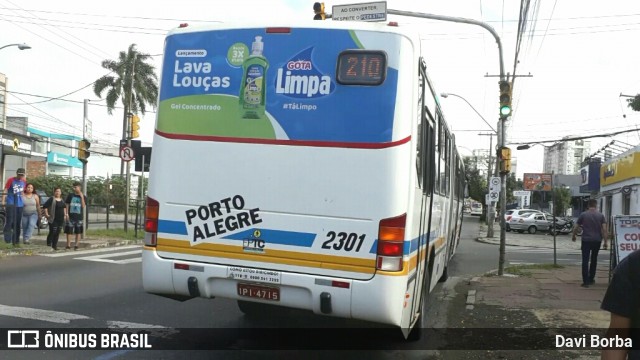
x=531, y=222
x=517, y=213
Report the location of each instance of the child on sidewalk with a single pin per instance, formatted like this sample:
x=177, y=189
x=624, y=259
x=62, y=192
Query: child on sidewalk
x=76, y=204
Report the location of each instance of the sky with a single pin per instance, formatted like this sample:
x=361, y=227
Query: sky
x=580, y=56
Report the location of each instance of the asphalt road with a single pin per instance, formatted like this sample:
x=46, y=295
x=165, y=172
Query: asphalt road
x=102, y=289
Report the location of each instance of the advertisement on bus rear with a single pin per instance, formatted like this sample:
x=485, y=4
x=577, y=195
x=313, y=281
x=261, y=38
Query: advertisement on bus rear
x=254, y=84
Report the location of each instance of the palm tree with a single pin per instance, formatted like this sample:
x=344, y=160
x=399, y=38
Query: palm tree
x=118, y=84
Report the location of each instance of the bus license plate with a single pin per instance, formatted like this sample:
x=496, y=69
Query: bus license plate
x=259, y=292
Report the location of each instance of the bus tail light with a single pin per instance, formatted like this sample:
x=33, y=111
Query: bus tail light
x=391, y=243
x=151, y=214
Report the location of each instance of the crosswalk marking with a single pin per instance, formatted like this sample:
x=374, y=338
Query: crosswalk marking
x=110, y=255
x=92, y=251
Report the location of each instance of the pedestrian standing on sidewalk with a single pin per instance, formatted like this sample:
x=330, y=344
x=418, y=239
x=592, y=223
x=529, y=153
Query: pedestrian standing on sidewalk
x=622, y=300
x=12, y=200
x=76, y=205
x=55, y=211
x=594, y=231
x=30, y=212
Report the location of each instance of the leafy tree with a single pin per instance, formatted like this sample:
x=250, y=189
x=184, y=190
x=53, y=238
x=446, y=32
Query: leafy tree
x=101, y=192
x=513, y=184
x=131, y=66
x=476, y=182
x=50, y=182
x=563, y=200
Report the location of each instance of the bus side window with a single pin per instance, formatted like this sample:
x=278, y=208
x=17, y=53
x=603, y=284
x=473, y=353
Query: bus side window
x=432, y=170
x=447, y=163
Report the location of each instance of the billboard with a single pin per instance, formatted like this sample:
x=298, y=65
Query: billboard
x=537, y=182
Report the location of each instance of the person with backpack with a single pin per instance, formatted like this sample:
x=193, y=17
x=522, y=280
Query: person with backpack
x=12, y=200
x=76, y=204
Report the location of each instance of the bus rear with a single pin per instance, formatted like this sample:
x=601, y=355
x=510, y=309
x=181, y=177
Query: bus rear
x=282, y=167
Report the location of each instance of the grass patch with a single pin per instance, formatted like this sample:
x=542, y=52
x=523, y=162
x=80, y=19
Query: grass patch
x=522, y=270
x=116, y=233
x=5, y=246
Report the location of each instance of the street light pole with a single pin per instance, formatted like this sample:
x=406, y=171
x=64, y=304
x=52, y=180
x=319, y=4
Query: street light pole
x=2, y=118
x=20, y=46
x=490, y=209
x=501, y=136
x=445, y=95
x=490, y=219
x=128, y=174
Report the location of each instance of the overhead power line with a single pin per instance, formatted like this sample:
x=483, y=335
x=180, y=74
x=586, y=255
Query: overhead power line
x=111, y=16
x=66, y=36
x=91, y=102
x=576, y=138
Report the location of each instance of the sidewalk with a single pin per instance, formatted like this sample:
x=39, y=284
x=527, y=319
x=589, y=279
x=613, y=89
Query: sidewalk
x=38, y=244
x=542, y=297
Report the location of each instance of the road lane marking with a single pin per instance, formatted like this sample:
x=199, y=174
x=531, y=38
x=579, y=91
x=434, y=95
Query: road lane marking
x=92, y=251
x=39, y=314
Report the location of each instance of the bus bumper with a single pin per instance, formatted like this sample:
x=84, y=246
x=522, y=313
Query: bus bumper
x=379, y=299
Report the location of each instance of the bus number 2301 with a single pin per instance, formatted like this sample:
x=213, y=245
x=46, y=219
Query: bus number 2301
x=344, y=241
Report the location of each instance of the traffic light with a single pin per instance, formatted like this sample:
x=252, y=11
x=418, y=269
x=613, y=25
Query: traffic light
x=504, y=153
x=318, y=8
x=505, y=98
x=83, y=150
x=135, y=126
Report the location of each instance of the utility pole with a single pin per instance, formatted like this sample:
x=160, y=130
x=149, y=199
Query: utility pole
x=84, y=165
x=553, y=213
x=128, y=133
x=490, y=211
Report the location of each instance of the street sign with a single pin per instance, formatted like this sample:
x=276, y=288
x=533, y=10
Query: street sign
x=521, y=193
x=494, y=184
x=489, y=200
x=373, y=11
x=88, y=129
x=135, y=184
x=127, y=153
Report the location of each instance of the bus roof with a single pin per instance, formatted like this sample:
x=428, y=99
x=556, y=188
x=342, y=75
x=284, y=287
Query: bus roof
x=326, y=24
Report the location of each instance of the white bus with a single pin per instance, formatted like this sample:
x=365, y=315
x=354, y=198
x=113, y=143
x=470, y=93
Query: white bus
x=304, y=165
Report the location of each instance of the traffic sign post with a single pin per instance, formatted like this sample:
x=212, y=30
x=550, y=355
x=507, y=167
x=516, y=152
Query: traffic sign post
x=373, y=11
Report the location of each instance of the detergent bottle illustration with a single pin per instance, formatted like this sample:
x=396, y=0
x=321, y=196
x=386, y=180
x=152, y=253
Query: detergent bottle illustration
x=253, y=91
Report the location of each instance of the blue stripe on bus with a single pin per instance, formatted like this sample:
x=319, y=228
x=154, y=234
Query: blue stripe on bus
x=172, y=227
x=276, y=237
x=408, y=246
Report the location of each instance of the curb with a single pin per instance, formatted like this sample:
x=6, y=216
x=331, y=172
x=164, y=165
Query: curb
x=38, y=246
x=485, y=241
